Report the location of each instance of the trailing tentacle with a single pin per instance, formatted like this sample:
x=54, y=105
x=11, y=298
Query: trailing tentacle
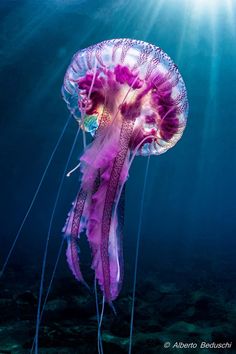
x=111, y=192
x=72, y=231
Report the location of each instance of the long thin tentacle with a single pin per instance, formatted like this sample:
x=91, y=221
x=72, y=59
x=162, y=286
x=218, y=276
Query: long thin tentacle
x=73, y=170
x=137, y=254
x=47, y=242
x=34, y=197
x=100, y=347
x=102, y=313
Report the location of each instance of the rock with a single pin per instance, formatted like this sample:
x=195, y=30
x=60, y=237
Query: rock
x=223, y=333
x=27, y=297
x=26, y=305
x=207, y=308
x=12, y=335
x=172, y=306
x=184, y=327
x=169, y=288
x=120, y=327
x=114, y=344
x=55, y=309
x=140, y=341
x=8, y=310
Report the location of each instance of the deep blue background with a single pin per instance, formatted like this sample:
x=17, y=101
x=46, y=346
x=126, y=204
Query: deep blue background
x=189, y=222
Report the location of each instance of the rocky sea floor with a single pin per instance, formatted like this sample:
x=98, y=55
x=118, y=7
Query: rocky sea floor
x=164, y=312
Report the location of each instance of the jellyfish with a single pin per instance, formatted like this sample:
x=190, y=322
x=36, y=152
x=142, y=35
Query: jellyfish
x=131, y=98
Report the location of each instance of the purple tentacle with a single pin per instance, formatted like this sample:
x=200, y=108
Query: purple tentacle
x=111, y=192
x=120, y=233
x=72, y=230
x=73, y=259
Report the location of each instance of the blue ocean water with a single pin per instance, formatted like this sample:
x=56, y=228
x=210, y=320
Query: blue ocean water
x=189, y=223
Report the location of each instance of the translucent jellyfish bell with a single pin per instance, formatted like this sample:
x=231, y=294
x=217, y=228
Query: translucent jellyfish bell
x=151, y=78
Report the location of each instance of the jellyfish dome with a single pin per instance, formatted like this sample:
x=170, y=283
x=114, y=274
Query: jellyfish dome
x=130, y=96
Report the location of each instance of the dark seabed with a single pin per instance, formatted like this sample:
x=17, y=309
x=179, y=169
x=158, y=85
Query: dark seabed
x=186, y=281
